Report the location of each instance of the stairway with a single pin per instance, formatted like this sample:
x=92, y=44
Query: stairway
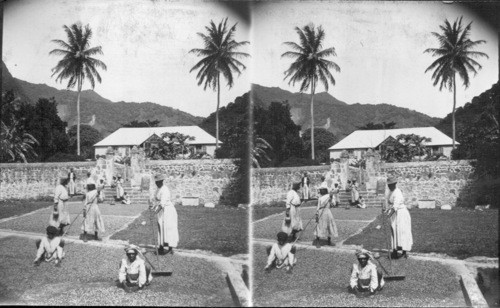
x=136, y=195
x=371, y=199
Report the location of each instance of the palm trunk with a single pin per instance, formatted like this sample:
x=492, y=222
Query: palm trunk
x=78, y=117
x=217, y=114
x=312, y=120
x=453, y=112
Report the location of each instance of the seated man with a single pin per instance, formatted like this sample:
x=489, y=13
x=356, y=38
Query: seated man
x=281, y=254
x=364, y=276
x=50, y=247
x=134, y=273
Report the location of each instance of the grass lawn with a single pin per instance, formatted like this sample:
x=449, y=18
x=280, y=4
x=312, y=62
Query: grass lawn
x=320, y=279
x=348, y=222
x=88, y=274
x=459, y=233
x=9, y=208
x=221, y=230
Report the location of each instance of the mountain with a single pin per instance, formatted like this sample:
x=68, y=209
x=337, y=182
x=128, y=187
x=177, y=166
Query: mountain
x=105, y=115
x=337, y=116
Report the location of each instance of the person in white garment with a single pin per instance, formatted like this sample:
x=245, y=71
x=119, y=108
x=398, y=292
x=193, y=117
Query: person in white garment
x=305, y=186
x=395, y=208
x=50, y=248
x=59, y=217
x=364, y=275
x=354, y=193
x=325, y=224
x=71, y=182
x=92, y=219
x=292, y=223
x=166, y=214
x=334, y=192
x=134, y=273
x=281, y=254
x=119, y=188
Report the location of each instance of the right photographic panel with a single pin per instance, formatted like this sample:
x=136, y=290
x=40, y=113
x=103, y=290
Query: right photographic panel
x=374, y=177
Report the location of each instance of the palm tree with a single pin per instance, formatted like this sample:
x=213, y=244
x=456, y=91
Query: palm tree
x=456, y=55
x=77, y=63
x=310, y=65
x=259, y=151
x=219, y=57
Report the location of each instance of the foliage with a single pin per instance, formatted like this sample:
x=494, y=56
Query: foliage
x=219, y=57
x=373, y=126
x=15, y=144
x=324, y=140
x=259, y=151
x=88, y=137
x=455, y=56
x=299, y=161
x=276, y=126
x=147, y=123
x=172, y=146
x=77, y=63
x=65, y=157
x=406, y=148
x=310, y=64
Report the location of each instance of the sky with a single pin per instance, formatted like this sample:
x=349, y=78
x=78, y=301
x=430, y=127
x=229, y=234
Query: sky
x=145, y=45
x=379, y=48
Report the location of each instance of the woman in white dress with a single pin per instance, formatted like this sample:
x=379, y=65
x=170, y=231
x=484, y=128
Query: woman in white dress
x=401, y=236
x=71, y=181
x=166, y=214
x=92, y=215
x=60, y=216
x=119, y=188
x=293, y=222
x=326, y=227
x=305, y=186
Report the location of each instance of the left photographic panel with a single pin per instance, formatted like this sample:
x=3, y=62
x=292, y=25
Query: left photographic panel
x=124, y=163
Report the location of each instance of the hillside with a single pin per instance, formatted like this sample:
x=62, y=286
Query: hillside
x=343, y=118
x=109, y=115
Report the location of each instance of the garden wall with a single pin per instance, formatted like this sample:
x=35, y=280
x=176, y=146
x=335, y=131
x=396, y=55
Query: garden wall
x=270, y=185
x=34, y=180
x=212, y=180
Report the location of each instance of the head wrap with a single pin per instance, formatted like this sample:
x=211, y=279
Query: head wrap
x=132, y=248
x=363, y=253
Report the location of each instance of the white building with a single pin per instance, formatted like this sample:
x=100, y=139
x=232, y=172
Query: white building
x=125, y=138
x=358, y=142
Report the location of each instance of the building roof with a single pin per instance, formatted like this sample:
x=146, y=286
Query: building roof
x=130, y=136
x=362, y=139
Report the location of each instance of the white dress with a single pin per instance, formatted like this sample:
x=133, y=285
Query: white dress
x=326, y=226
x=293, y=202
x=400, y=220
x=60, y=197
x=168, y=232
x=71, y=183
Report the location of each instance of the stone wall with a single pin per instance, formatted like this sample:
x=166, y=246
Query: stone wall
x=212, y=180
x=447, y=182
x=270, y=185
x=34, y=180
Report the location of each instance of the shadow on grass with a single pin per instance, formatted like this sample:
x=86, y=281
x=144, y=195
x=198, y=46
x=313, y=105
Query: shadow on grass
x=220, y=230
x=16, y=207
x=458, y=233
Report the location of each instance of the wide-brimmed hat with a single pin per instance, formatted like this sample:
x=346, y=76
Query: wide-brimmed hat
x=52, y=230
x=160, y=177
x=392, y=180
x=132, y=249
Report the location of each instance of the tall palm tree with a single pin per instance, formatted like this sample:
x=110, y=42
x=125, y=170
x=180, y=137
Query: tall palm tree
x=77, y=63
x=455, y=56
x=310, y=65
x=219, y=57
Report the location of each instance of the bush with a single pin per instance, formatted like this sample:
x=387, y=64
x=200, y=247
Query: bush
x=65, y=157
x=298, y=162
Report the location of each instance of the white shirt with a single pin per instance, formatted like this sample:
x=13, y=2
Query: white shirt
x=280, y=253
x=292, y=198
x=367, y=272
x=136, y=267
x=51, y=249
x=60, y=194
x=395, y=199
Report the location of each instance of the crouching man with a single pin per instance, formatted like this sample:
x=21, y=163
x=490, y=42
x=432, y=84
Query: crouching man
x=281, y=254
x=364, y=276
x=134, y=273
x=50, y=248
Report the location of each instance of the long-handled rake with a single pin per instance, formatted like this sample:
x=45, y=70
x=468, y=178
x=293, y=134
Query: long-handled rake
x=156, y=273
x=389, y=276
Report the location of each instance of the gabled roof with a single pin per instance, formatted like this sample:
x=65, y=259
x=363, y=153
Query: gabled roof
x=129, y=136
x=362, y=139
